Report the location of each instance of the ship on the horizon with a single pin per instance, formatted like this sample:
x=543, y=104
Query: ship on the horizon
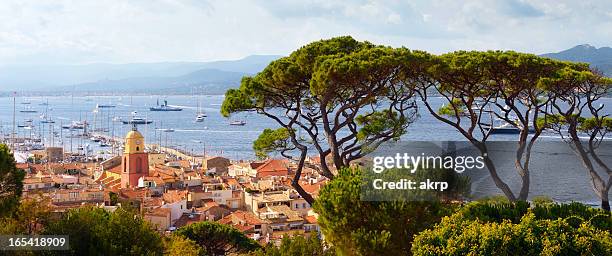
x=164, y=107
x=105, y=106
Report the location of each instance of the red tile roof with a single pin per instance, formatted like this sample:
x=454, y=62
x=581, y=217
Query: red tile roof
x=311, y=219
x=272, y=167
x=172, y=196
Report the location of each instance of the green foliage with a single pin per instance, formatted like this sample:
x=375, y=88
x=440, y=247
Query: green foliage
x=375, y=123
x=357, y=227
x=504, y=228
x=603, y=124
x=271, y=140
x=528, y=237
x=177, y=245
x=454, y=108
x=11, y=182
x=297, y=245
x=329, y=85
x=114, y=198
x=499, y=210
x=218, y=239
x=95, y=231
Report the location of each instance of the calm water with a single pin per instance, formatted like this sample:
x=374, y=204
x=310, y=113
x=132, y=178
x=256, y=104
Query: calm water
x=216, y=137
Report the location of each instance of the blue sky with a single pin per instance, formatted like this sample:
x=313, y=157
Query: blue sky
x=81, y=31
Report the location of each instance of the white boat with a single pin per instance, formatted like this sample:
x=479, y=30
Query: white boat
x=76, y=125
x=166, y=130
x=137, y=120
x=200, y=117
x=238, y=122
x=200, y=114
x=507, y=128
x=105, y=106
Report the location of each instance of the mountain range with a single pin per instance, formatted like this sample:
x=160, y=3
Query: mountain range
x=162, y=77
x=181, y=77
x=600, y=58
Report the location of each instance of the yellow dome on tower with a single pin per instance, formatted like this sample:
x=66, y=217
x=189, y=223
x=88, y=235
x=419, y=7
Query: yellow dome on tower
x=134, y=142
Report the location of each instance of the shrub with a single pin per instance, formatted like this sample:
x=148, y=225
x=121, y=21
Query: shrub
x=493, y=229
x=356, y=227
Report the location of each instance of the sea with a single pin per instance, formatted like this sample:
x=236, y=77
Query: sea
x=215, y=135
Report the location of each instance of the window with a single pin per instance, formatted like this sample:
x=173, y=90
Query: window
x=137, y=148
x=297, y=206
x=303, y=205
x=124, y=164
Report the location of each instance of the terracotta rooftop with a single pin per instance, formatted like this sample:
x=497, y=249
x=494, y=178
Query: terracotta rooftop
x=189, y=218
x=172, y=196
x=311, y=219
x=273, y=167
x=130, y=193
x=160, y=212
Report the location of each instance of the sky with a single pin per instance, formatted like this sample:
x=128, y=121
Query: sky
x=83, y=31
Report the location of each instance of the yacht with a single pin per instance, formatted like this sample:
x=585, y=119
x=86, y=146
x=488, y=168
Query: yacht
x=105, y=106
x=137, y=120
x=507, y=128
x=164, y=107
x=238, y=122
x=200, y=114
x=76, y=125
x=46, y=119
x=166, y=130
x=200, y=117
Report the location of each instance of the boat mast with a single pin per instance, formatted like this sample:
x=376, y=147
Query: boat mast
x=13, y=135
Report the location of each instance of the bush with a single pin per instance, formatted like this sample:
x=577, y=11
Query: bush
x=298, y=245
x=217, y=239
x=356, y=227
x=503, y=229
x=95, y=231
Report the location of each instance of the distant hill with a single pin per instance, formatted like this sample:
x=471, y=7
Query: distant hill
x=213, y=81
x=601, y=58
x=137, y=76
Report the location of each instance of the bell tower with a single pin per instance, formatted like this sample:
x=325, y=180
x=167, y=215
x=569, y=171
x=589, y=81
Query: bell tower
x=135, y=162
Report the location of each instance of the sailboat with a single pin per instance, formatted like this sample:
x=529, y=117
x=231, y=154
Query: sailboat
x=200, y=114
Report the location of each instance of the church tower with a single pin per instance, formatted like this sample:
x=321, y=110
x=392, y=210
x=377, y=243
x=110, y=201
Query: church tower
x=135, y=162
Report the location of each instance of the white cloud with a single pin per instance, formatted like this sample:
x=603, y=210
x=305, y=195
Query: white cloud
x=79, y=31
